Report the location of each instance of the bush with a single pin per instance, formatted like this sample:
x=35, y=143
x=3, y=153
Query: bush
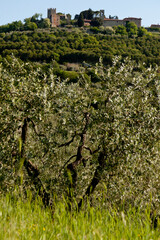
x=109, y=30
x=94, y=29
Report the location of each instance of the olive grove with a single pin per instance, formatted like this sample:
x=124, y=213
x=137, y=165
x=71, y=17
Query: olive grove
x=84, y=139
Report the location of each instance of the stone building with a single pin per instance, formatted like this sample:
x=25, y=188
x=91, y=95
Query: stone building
x=137, y=21
x=54, y=17
x=64, y=16
x=155, y=26
x=107, y=22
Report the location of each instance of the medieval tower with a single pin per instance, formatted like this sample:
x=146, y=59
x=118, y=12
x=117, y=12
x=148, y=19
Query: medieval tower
x=54, y=18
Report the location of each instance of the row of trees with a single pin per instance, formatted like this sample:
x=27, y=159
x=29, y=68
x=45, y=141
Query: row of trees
x=131, y=30
x=94, y=16
x=95, y=22
x=77, y=46
x=32, y=23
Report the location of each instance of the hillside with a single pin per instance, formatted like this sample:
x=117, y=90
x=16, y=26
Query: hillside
x=76, y=46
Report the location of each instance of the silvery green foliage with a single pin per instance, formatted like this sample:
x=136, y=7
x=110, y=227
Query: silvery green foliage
x=124, y=121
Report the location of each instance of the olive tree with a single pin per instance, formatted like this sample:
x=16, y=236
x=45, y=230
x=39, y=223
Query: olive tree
x=72, y=138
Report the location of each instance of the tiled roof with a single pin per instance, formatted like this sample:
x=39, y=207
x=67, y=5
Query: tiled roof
x=109, y=19
x=155, y=25
x=125, y=19
x=87, y=20
x=132, y=18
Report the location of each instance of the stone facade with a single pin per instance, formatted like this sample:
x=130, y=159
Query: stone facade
x=54, y=17
x=107, y=22
x=137, y=21
x=112, y=22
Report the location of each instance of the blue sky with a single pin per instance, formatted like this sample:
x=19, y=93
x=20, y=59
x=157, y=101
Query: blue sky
x=14, y=10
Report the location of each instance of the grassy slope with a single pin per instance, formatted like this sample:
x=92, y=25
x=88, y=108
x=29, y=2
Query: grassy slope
x=28, y=220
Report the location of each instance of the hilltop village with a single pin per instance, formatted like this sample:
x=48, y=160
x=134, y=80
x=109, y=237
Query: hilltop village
x=55, y=18
x=89, y=20
x=71, y=41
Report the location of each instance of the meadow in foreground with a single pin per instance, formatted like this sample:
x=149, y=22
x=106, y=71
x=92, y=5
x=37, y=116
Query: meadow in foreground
x=30, y=220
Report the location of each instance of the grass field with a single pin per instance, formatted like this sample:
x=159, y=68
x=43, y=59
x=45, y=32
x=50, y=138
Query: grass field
x=30, y=220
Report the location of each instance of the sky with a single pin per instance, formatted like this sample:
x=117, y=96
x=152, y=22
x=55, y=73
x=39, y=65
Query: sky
x=15, y=10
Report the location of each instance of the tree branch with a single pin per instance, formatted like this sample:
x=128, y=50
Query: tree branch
x=34, y=127
x=67, y=163
x=33, y=171
x=72, y=166
x=69, y=142
x=90, y=150
x=96, y=178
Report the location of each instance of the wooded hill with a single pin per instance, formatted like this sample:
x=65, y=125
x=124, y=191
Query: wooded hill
x=96, y=125
x=76, y=46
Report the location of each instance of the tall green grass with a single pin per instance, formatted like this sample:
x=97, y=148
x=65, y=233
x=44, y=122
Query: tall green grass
x=30, y=220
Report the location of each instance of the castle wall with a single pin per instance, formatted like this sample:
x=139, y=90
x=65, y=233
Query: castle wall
x=155, y=26
x=137, y=21
x=115, y=22
x=112, y=22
